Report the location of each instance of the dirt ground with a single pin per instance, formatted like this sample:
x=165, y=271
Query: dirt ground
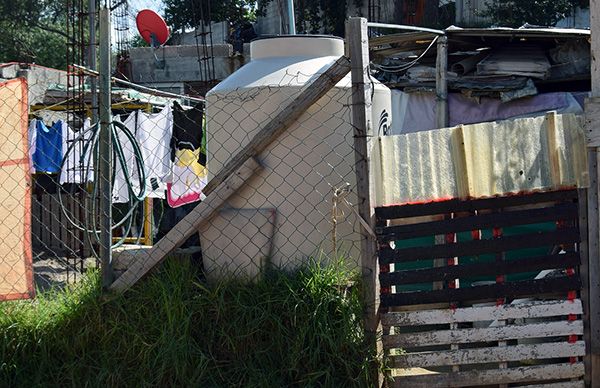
x=57, y=272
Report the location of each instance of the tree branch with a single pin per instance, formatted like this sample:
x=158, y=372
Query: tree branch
x=50, y=29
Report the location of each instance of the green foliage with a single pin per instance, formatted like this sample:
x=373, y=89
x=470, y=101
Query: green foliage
x=300, y=329
x=515, y=13
x=33, y=31
x=312, y=16
x=181, y=14
x=317, y=16
x=138, y=41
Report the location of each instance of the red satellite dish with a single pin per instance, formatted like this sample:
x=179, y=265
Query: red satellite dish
x=152, y=27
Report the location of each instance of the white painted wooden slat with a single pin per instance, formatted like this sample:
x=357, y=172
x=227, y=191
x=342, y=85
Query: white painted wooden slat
x=486, y=313
x=493, y=376
x=488, y=334
x=566, y=384
x=489, y=355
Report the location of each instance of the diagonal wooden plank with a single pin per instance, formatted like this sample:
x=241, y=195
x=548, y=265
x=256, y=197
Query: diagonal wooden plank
x=235, y=173
x=311, y=94
x=186, y=227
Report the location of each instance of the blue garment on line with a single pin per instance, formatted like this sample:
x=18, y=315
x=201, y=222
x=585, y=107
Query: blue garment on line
x=48, y=148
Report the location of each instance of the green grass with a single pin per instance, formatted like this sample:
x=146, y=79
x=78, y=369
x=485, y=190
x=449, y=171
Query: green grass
x=299, y=329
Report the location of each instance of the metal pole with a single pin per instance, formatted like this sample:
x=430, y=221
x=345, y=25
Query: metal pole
x=92, y=59
x=441, y=82
x=291, y=17
x=105, y=150
x=405, y=27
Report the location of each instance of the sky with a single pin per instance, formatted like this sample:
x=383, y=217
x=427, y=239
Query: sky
x=136, y=5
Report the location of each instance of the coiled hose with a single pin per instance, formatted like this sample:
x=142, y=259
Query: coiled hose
x=136, y=186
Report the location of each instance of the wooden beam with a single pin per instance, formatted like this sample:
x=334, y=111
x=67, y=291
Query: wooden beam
x=310, y=95
x=234, y=174
x=470, y=271
x=558, y=212
x=584, y=274
x=472, y=205
x=186, y=227
x=593, y=317
x=533, y=310
x=489, y=355
x=402, y=38
x=388, y=255
x=358, y=43
x=523, y=374
x=511, y=290
x=592, y=118
x=441, y=83
x=483, y=334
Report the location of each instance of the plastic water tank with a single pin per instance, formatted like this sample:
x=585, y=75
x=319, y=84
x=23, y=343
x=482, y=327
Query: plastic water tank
x=303, y=166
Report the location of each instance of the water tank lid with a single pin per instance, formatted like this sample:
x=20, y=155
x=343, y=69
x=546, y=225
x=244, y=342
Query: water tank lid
x=307, y=36
x=311, y=46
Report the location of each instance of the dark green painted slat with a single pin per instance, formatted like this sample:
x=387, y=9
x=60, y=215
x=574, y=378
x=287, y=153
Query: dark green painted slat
x=457, y=205
x=562, y=212
x=508, y=290
x=568, y=260
x=479, y=247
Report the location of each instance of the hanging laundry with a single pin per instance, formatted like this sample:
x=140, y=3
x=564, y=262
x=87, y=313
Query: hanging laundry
x=121, y=185
x=48, y=147
x=76, y=169
x=187, y=130
x=154, y=132
x=189, y=175
x=52, y=116
x=31, y=139
x=189, y=179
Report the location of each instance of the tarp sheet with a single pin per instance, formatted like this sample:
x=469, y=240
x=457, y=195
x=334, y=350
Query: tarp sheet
x=16, y=272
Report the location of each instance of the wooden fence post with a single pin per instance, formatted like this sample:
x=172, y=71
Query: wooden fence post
x=358, y=44
x=592, y=304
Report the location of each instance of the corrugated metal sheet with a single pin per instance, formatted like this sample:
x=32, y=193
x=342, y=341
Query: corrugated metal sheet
x=480, y=160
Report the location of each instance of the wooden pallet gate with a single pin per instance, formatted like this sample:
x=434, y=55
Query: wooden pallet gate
x=505, y=307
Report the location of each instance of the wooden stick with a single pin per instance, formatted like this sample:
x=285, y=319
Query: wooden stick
x=186, y=227
x=310, y=95
x=231, y=177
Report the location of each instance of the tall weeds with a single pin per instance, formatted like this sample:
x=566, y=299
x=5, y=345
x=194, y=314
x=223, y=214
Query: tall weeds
x=290, y=329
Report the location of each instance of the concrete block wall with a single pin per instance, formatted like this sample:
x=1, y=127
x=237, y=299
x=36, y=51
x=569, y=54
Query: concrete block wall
x=180, y=63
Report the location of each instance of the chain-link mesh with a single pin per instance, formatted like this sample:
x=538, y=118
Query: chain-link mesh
x=307, y=179
x=298, y=205
x=292, y=201
x=42, y=193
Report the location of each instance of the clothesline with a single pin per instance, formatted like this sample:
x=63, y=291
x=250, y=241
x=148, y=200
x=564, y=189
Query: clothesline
x=171, y=144
x=155, y=92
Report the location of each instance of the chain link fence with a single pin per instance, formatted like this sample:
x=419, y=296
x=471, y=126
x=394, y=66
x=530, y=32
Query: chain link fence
x=292, y=202
x=43, y=195
x=296, y=205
